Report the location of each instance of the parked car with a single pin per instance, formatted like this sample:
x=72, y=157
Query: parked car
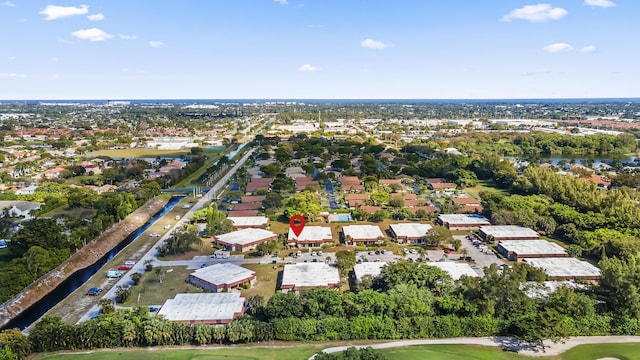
x=94, y=291
x=447, y=251
x=177, y=217
x=130, y=262
x=168, y=226
x=319, y=253
x=154, y=235
x=124, y=267
x=114, y=274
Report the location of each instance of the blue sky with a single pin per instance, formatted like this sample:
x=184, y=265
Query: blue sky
x=297, y=49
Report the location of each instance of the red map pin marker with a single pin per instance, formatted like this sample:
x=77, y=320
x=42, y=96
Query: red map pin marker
x=297, y=228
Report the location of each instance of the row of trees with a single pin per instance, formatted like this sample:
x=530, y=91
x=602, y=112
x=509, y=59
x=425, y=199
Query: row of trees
x=406, y=301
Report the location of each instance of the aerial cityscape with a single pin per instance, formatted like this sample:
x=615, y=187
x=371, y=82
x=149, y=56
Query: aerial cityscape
x=319, y=180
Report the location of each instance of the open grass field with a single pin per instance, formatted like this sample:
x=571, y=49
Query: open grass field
x=450, y=352
x=482, y=186
x=238, y=353
x=151, y=292
x=71, y=213
x=599, y=351
x=431, y=352
x=267, y=278
x=138, y=153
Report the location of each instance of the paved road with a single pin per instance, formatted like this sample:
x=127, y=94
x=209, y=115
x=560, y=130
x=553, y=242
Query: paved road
x=551, y=349
x=152, y=254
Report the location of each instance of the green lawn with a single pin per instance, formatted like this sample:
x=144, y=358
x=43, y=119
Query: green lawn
x=72, y=213
x=482, y=186
x=151, y=292
x=138, y=153
x=245, y=353
x=267, y=278
x=598, y=351
x=417, y=352
x=450, y=352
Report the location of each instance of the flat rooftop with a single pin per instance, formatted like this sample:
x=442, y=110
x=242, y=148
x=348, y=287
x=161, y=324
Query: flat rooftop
x=203, y=307
x=410, y=230
x=372, y=269
x=310, y=233
x=532, y=247
x=454, y=269
x=245, y=236
x=565, y=267
x=362, y=231
x=240, y=221
x=310, y=275
x=464, y=219
x=509, y=231
x=543, y=290
x=220, y=274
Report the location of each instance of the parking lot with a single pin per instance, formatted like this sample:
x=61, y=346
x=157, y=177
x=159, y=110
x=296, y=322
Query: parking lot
x=482, y=259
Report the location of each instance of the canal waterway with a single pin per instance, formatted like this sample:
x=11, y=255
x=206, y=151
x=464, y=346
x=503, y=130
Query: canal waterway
x=29, y=316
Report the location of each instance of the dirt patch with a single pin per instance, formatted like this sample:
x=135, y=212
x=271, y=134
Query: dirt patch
x=83, y=258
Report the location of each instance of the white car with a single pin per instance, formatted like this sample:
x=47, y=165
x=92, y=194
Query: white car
x=154, y=235
x=177, y=217
x=168, y=226
x=129, y=262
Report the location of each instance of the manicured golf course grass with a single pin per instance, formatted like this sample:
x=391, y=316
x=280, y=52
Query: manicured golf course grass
x=299, y=352
x=417, y=352
x=450, y=352
x=599, y=351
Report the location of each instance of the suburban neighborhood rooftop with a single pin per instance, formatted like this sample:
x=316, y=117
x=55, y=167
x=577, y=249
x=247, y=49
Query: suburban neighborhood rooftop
x=245, y=236
x=565, y=267
x=532, y=247
x=203, y=307
x=226, y=273
x=311, y=233
x=309, y=275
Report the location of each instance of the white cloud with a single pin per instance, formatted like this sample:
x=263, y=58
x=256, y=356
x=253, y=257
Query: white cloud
x=374, y=44
x=308, y=68
x=93, y=34
x=8, y=4
x=58, y=12
x=12, y=76
x=536, y=13
x=127, y=37
x=600, y=3
x=588, y=49
x=155, y=43
x=96, y=17
x=281, y=2
x=558, y=47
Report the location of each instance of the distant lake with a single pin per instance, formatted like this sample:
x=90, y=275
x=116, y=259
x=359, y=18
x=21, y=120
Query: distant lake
x=579, y=159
